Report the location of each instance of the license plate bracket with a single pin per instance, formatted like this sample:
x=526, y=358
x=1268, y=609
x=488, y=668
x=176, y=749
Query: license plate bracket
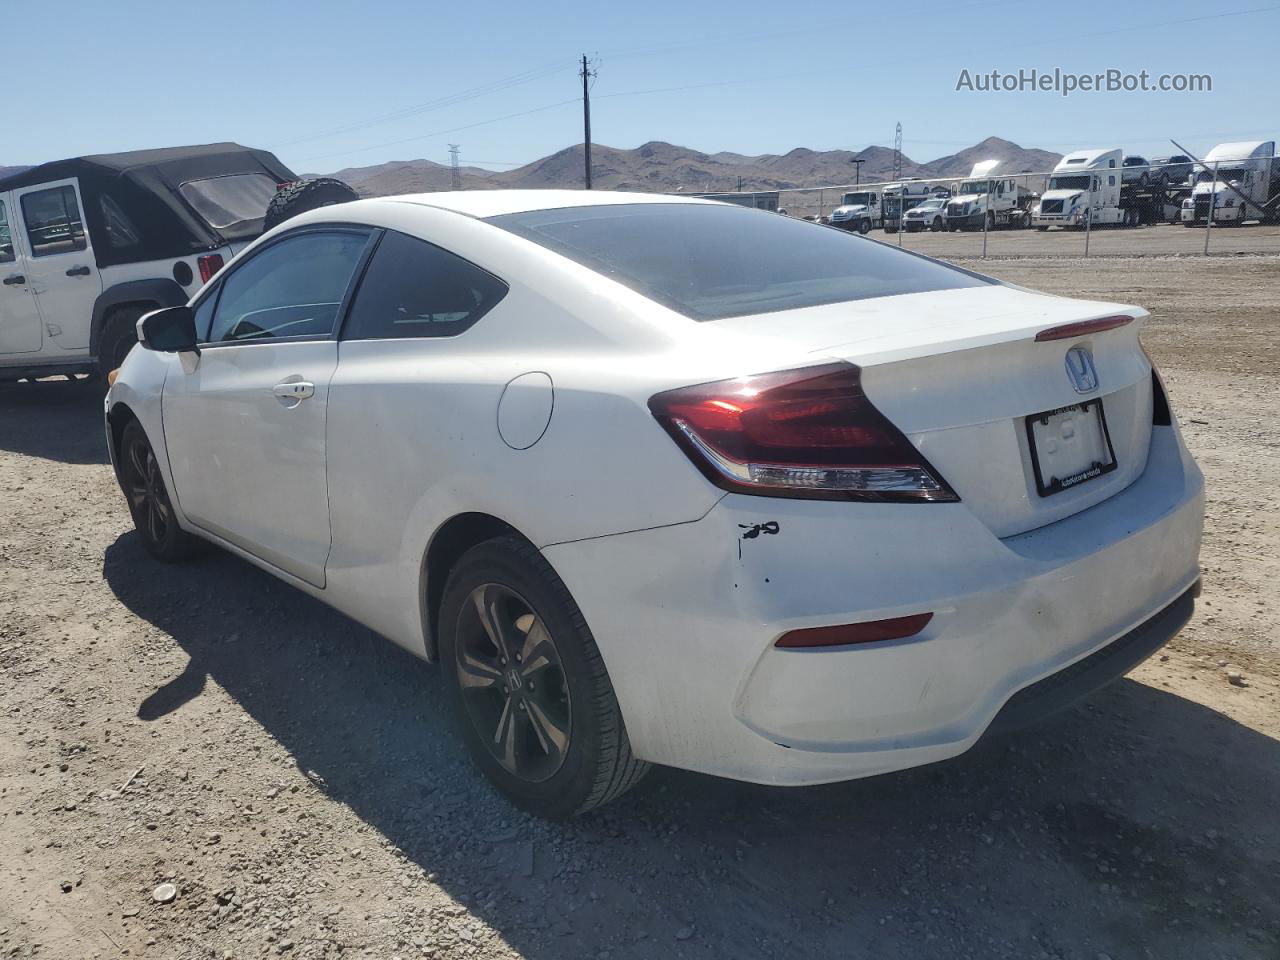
x=1069, y=446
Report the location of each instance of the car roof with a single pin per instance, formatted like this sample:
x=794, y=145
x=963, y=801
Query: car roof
x=493, y=203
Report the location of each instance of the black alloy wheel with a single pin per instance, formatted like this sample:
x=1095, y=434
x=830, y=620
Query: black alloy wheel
x=148, y=499
x=513, y=684
x=529, y=687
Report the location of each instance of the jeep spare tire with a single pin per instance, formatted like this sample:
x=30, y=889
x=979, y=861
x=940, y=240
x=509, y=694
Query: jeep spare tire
x=303, y=195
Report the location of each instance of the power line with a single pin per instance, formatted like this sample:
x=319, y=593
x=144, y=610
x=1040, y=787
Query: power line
x=494, y=86
x=437, y=133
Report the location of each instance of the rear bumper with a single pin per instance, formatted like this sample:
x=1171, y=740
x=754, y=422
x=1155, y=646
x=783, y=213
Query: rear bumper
x=688, y=618
x=1069, y=686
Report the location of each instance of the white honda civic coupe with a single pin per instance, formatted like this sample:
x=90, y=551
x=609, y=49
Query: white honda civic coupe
x=668, y=481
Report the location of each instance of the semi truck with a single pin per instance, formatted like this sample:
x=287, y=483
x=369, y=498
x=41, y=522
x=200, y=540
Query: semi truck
x=1237, y=181
x=987, y=199
x=1087, y=188
x=860, y=210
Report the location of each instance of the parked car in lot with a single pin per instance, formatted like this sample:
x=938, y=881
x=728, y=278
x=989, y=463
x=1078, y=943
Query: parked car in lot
x=88, y=245
x=661, y=480
x=929, y=214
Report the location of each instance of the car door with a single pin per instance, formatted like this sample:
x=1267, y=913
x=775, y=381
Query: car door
x=20, y=330
x=61, y=270
x=244, y=421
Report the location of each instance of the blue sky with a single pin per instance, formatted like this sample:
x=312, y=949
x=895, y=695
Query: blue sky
x=308, y=80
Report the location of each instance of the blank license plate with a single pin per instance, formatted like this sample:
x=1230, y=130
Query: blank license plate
x=1069, y=446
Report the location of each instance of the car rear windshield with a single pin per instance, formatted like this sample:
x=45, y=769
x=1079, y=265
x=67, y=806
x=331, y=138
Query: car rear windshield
x=227, y=201
x=711, y=261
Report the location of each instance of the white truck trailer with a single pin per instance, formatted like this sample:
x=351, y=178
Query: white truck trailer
x=987, y=198
x=1248, y=166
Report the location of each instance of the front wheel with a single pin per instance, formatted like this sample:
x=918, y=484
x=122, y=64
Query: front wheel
x=529, y=686
x=864, y=226
x=937, y=225
x=149, y=503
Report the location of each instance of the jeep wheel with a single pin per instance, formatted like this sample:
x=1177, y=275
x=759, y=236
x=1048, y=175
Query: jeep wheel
x=303, y=195
x=119, y=334
x=528, y=685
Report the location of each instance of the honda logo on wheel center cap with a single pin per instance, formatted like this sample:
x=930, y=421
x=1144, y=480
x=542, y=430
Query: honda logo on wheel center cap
x=1080, y=368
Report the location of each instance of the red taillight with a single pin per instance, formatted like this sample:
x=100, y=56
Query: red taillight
x=896, y=628
x=810, y=432
x=1069, y=330
x=209, y=264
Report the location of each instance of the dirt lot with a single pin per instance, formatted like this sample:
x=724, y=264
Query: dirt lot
x=294, y=777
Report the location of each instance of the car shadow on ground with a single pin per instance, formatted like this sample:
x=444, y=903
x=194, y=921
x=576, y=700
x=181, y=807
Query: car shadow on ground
x=1139, y=825
x=53, y=419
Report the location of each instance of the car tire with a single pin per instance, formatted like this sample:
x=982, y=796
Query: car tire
x=142, y=482
x=938, y=225
x=864, y=226
x=542, y=721
x=119, y=334
x=303, y=195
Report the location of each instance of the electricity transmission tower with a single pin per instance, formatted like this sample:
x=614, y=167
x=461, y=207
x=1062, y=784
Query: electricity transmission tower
x=455, y=182
x=897, y=153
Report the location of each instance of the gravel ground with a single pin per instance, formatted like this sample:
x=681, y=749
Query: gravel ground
x=295, y=779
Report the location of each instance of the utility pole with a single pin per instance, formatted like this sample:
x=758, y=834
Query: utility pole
x=587, y=74
x=455, y=182
x=857, y=170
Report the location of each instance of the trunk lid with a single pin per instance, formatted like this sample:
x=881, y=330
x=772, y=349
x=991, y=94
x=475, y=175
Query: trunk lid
x=959, y=372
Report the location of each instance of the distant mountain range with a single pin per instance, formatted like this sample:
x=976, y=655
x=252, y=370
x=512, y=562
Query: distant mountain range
x=6, y=171
x=660, y=167
x=666, y=168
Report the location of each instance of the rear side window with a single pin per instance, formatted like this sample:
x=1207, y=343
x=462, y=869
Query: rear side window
x=228, y=201
x=415, y=289
x=292, y=288
x=6, y=238
x=711, y=261
x=53, y=221
x=121, y=233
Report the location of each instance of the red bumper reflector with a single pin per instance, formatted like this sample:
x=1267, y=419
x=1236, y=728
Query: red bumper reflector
x=895, y=628
x=1069, y=330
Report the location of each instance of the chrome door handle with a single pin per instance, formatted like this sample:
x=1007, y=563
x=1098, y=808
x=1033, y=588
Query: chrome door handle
x=296, y=391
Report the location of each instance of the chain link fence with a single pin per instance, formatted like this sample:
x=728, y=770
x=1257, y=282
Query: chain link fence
x=1175, y=208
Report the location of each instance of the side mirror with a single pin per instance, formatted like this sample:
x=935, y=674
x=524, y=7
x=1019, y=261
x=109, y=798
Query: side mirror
x=169, y=330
